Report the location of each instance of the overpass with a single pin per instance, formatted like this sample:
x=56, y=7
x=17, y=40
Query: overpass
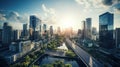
x=83, y=55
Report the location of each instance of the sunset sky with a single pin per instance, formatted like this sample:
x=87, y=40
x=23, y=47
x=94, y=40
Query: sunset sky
x=63, y=13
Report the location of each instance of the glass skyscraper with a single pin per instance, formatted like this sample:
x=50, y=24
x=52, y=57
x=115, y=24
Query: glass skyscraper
x=34, y=26
x=106, y=22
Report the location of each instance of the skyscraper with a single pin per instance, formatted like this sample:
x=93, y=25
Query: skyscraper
x=16, y=35
x=79, y=33
x=106, y=30
x=94, y=33
x=58, y=31
x=117, y=37
x=51, y=30
x=44, y=27
x=34, y=22
x=34, y=27
x=83, y=30
x=25, y=32
x=7, y=34
x=88, y=27
x=0, y=35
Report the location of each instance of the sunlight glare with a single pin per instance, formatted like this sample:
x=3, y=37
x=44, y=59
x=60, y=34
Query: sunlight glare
x=67, y=22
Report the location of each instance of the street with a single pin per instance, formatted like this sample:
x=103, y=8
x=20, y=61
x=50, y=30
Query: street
x=84, y=56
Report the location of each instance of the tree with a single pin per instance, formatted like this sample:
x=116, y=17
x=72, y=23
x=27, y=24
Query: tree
x=70, y=53
x=27, y=59
x=68, y=65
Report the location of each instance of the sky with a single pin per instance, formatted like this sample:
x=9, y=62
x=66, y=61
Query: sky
x=63, y=13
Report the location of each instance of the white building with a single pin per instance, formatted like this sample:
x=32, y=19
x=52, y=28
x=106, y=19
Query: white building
x=17, y=50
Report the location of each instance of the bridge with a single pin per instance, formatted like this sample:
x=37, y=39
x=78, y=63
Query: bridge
x=83, y=55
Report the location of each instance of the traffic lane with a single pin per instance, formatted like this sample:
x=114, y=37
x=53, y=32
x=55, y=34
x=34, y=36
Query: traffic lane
x=88, y=58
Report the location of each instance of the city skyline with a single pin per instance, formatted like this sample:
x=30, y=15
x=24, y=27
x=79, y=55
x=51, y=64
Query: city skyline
x=51, y=12
x=59, y=33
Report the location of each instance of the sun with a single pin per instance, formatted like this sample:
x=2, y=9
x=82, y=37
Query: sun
x=67, y=22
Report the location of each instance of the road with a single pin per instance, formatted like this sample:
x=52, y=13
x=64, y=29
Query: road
x=84, y=56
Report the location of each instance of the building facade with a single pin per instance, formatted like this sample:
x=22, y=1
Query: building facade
x=0, y=35
x=106, y=22
x=117, y=37
x=44, y=28
x=16, y=35
x=51, y=30
x=7, y=34
x=34, y=27
x=88, y=27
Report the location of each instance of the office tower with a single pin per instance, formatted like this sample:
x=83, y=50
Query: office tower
x=0, y=35
x=58, y=31
x=25, y=31
x=88, y=28
x=30, y=33
x=7, y=34
x=51, y=30
x=83, y=30
x=16, y=35
x=94, y=33
x=117, y=37
x=79, y=33
x=34, y=27
x=34, y=22
x=40, y=29
x=44, y=27
x=106, y=30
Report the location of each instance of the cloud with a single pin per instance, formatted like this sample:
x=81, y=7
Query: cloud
x=50, y=15
x=80, y=1
x=107, y=2
x=2, y=18
x=90, y=3
x=116, y=8
x=115, y=5
x=12, y=17
x=110, y=2
x=102, y=4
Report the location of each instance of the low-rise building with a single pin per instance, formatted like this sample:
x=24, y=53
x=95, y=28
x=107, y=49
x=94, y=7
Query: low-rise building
x=17, y=50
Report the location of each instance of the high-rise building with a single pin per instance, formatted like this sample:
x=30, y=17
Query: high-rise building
x=58, y=31
x=7, y=34
x=34, y=27
x=16, y=35
x=106, y=30
x=0, y=35
x=44, y=27
x=79, y=33
x=83, y=30
x=25, y=31
x=40, y=29
x=88, y=28
x=117, y=37
x=51, y=30
x=94, y=33
x=34, y=22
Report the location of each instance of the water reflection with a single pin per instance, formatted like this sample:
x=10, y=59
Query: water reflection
x=49, y=59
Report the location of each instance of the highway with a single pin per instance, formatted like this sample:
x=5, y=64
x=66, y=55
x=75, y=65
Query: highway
x=84, y=56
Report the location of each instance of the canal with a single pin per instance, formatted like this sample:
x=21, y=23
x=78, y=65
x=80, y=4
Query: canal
x=49, y=59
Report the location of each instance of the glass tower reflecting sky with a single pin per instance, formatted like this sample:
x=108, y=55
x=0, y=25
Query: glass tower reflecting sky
x=106, y=30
